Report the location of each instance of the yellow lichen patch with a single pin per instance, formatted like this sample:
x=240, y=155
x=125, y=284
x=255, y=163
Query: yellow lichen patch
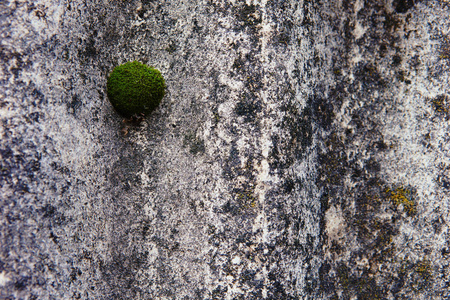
x=246, y=198
x=423, y=268
x=402, y=196
x=441, y=104
x=445, y=51
x=419, y=273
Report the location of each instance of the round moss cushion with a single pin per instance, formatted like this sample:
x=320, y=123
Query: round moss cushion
x=134, y=88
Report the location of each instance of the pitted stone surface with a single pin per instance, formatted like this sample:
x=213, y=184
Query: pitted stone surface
x=300, y=151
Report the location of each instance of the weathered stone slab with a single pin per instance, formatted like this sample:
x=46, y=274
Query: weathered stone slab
x=300, y=152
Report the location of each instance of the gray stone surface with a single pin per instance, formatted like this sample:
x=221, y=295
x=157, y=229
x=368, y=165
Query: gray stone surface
x=301, y=151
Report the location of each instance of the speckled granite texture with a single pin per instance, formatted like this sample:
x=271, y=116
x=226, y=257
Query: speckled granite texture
x=301, y=151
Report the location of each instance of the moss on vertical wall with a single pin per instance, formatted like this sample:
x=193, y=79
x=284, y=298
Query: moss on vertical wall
x=134, y=88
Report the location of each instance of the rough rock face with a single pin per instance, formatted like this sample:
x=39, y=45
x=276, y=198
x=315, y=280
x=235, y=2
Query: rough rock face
x=301, y=151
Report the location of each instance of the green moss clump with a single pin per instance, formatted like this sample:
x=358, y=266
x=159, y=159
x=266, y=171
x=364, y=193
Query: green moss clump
x=134, y=88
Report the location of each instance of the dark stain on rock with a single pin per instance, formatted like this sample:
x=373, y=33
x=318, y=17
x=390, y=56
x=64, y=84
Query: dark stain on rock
x=248, y=16
x=248, y=108
x=219, y=293
x=196, y=145
x=89, y=51
x=369, y=76
x=402, y=6
x=74, y=104
x=22, y=282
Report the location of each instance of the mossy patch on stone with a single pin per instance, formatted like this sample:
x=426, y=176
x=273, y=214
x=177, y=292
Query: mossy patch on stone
x=134, y=89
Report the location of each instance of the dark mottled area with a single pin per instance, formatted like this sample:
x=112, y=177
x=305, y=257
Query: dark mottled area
x=370, y=236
